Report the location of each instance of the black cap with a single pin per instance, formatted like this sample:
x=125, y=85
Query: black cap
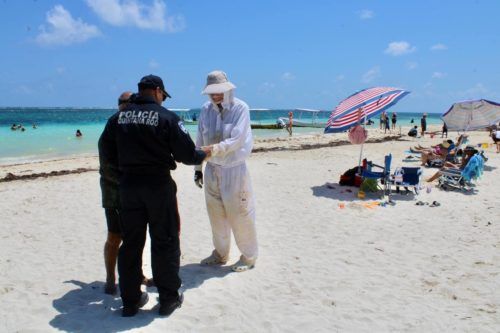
x=153, y=82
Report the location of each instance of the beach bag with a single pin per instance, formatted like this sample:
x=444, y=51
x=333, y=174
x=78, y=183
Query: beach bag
x=349, y=177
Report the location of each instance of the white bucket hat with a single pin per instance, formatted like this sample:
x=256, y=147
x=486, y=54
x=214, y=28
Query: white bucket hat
x=217, y=83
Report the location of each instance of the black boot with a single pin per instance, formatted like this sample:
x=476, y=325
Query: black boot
x=166, y=309
x=130, y=311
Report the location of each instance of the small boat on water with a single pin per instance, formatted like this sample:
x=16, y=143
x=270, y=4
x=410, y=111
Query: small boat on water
x=300, y=121
x=259, y=123
x=186, y=116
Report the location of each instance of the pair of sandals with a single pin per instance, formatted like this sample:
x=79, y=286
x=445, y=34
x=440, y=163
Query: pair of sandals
x=433, y=204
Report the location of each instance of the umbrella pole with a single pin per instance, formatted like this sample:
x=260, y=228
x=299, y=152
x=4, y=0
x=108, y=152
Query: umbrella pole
x=360, y=156
x=361, y=151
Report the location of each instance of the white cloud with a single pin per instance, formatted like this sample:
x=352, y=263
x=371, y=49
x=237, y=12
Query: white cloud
x=287, y=76
x=266, y=87
x=438, y=75
x=411, y=65
x=153, y=64
x=371, y=75
x=439, y=47
x=366, y=14
x=134, y=13
x=23, y=89
x=63, y=29
x=399, y=48
x=478, y=91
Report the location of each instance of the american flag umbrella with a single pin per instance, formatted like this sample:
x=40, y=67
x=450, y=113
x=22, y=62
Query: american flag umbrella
x=472, y=115
x=365, y=104
x=373, y=101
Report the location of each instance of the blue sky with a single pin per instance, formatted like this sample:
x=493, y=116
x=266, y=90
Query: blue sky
x=280, y=54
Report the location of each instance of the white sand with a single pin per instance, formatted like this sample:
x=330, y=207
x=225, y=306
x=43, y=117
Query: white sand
x=321, y=268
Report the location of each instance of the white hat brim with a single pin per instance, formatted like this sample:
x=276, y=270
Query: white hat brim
x=218, y=88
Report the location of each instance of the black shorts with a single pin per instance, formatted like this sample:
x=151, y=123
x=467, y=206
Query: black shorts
x=113, y=220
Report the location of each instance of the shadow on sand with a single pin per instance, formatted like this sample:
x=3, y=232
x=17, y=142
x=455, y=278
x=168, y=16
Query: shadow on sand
x=88, y=309
x=349, y=193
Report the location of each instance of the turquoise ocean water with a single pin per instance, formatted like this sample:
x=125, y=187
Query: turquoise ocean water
x=54, y=136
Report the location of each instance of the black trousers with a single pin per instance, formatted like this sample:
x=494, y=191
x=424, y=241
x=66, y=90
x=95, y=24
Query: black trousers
x=149, y=199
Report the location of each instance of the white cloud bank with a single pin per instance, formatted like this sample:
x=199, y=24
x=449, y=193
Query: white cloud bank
x=399, y=48
x=63, y=29
x=134, y=13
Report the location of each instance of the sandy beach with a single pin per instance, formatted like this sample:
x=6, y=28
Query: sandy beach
x=322, y=268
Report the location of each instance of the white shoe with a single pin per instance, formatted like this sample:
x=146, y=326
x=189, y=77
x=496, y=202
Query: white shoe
x=214, y=259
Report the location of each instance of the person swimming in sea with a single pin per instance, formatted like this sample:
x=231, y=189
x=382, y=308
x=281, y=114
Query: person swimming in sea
x=78, y=133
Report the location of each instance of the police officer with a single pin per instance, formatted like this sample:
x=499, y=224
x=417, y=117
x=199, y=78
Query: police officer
x=147, y=140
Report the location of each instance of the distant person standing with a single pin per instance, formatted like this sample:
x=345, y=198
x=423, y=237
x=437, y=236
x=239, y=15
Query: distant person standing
x=423, y=124
x=289, y=128
x=387, y=126
x=394, y=120
x=444, y=132
x=382, y=120
x=495, y=135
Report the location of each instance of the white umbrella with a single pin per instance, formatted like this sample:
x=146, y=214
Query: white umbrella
x=472, y=115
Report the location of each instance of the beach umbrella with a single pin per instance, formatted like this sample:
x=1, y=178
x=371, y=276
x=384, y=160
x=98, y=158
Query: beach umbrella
x=472, y=115
x=365, y=104
x=373, y=101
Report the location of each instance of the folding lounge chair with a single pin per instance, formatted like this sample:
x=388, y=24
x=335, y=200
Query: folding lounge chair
x=462, y=179
x=383, y=175
x=438, y=161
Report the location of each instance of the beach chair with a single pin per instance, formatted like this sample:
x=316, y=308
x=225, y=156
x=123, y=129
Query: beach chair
x=407, y=177
x=383, y=175
x=462, y=179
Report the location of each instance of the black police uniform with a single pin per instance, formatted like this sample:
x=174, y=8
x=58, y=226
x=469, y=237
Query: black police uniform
x=147, y=140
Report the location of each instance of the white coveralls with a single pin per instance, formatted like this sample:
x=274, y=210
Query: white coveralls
x=228, y=189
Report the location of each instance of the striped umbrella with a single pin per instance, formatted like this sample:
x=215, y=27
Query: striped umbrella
x=373, y=101
x=472, y=115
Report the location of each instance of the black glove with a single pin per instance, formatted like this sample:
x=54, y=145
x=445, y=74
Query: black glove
x=198, y=178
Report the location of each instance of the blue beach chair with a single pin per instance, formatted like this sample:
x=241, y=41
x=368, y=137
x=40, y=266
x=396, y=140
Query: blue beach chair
x=383, y=175
x=407, y=177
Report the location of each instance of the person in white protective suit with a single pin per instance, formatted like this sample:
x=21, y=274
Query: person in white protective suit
x=224, y=128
